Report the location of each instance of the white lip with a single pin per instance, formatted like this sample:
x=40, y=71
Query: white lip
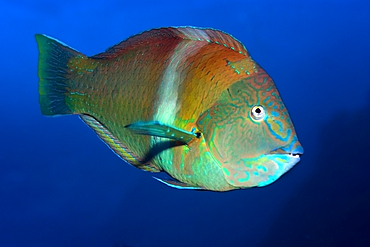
x=294, y=158
x=290, y=155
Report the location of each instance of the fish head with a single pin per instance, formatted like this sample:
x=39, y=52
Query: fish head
x=250, y=134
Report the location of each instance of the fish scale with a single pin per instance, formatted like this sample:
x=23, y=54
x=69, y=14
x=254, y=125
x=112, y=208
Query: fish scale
x=176, y=100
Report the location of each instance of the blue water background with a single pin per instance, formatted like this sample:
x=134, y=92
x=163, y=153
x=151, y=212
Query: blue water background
x=61, y=186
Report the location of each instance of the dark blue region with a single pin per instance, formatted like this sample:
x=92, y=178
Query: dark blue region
x=61, y=186
x=332, y=207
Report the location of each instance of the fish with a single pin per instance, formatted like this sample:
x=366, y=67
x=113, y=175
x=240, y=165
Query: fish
x=187, y=104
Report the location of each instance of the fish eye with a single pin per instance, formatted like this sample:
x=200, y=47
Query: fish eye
x=258, y=112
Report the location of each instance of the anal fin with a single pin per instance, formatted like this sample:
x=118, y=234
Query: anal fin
x=115, y=145
x=174, y=183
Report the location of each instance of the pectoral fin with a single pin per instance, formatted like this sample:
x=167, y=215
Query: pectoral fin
x=159, y=129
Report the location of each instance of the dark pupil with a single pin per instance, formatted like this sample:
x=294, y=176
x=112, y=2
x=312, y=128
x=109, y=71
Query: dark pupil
x=258, y=110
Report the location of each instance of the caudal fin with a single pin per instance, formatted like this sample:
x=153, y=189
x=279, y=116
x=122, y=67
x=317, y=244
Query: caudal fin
x=52, y=71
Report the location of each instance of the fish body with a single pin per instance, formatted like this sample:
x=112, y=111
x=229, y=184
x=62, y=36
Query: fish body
x=189, y=102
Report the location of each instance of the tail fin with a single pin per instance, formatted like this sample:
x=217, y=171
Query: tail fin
x=52, y=71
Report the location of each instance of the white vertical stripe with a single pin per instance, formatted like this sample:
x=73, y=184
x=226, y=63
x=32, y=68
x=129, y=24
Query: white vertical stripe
x=168, y=105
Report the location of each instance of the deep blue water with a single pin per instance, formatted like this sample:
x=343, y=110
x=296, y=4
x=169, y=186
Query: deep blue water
x=61, y=186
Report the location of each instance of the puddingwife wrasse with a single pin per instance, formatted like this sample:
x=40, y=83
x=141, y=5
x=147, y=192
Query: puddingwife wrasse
x=188, y=102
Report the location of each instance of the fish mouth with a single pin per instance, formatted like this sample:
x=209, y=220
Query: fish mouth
x=286, y=158
x=280, y=151
x=290, y=156
x=296, y=155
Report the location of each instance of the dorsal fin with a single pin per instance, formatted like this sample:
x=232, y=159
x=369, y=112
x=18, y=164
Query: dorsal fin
x=175, y=34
